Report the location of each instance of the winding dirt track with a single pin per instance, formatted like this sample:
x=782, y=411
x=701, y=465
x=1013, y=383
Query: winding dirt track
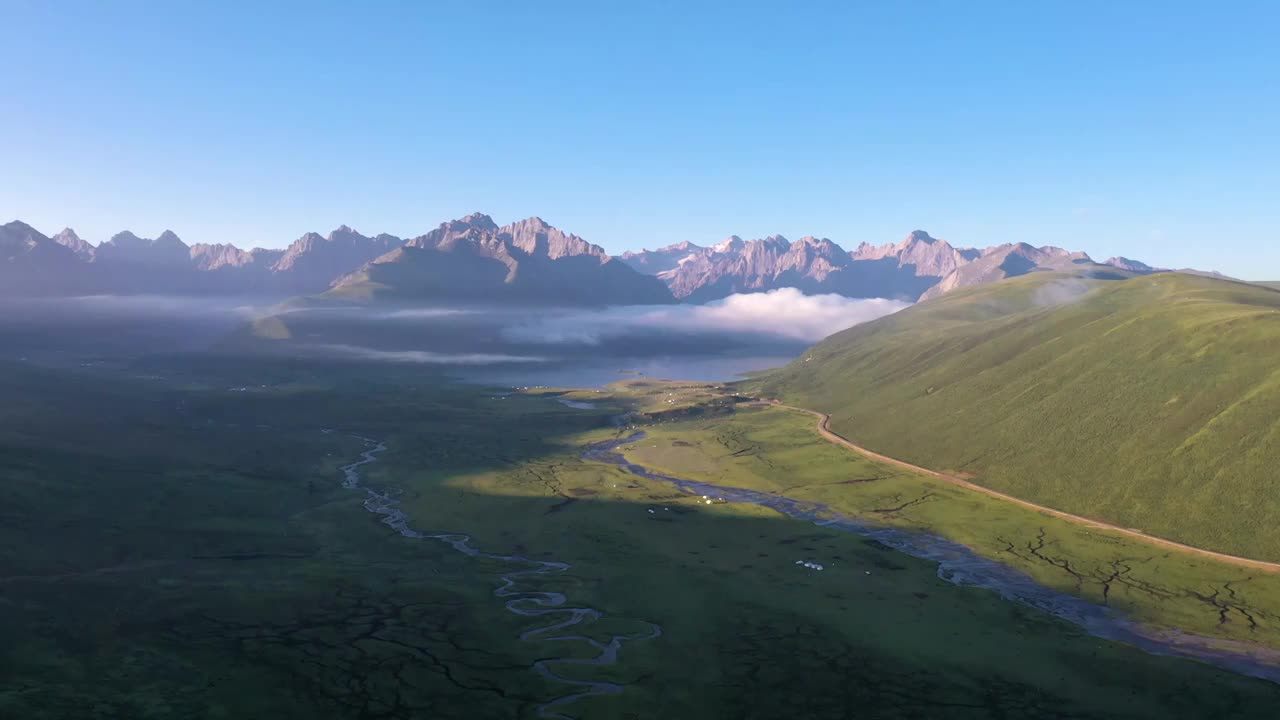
x=826, y=432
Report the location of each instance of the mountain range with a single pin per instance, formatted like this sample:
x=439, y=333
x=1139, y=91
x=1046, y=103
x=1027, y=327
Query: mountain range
x=34, y=264
x=474, y=259
x=917, y=268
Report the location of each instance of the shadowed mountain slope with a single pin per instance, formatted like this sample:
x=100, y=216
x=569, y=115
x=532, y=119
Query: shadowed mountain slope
x=473, y=259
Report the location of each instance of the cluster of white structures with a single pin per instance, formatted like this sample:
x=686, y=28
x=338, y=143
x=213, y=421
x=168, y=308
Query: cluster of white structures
x=810, y=565
x=709, y=500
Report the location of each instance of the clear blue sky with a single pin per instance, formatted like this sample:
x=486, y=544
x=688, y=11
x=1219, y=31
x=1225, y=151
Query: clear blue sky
x=1142, y=129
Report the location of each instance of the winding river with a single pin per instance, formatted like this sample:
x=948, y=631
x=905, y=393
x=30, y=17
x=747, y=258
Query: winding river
x=956, y=564
x=962, y=566
x=526, y=603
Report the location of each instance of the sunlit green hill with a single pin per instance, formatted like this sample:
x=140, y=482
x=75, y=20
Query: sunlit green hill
x=1151, y=402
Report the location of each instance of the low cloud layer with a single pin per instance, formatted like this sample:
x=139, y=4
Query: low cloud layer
x=786, y=314
x=1062, y=292
x=432, y=312
x=356, y=352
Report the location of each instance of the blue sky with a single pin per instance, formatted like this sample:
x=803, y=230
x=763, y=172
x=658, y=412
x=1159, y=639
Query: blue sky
x=1150, y=130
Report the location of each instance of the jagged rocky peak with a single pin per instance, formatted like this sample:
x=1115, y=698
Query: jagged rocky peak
x=1043, y=253
x=1124, y=263
x=69, y=239
x=214, y=256
x=166, y=250
x=733, y=243
x=1057, y=252
x=20, y=228
x=529, y=259
x=811, y=241
x=128, y=239
x=168, y=237
x=345, y=234
x=262, y=254
x=125, y=238
x=914, y=239
x=68, y=235
x=476, y=226
x=535, y=236
x=478, y=220
x=654, y=262
x=683, y=245
x=304, y=242
x=814, y=247
x=17, y=234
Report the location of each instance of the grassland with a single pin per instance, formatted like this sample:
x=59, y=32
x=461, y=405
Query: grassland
x=777, y=451
x=1149, y=403
x=173, y=545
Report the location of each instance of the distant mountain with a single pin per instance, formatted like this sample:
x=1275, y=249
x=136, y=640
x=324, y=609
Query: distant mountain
x=652, y=262
x=918, y=267
x=1125, y=263
x=896, y=270
x=1006, y=261
x=529, y=261
x=167, y=251
x=33, y=264
x=926, y=254
x=910, y=267
x=1203, y=273
x=312, y=263
x=69, y=239
x=219, y=256
x=224, y=268
x=736, y=266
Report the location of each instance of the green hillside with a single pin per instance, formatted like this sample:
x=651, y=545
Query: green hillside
x=1151, y=402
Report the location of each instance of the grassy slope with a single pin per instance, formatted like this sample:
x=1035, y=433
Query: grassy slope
x=1150, y=402
x=777, y=450
x=165, y=556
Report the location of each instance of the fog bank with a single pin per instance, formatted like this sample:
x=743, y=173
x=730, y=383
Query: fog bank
x=786, y=314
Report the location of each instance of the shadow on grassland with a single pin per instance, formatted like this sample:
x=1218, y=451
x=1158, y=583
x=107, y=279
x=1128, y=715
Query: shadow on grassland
x=165, y=556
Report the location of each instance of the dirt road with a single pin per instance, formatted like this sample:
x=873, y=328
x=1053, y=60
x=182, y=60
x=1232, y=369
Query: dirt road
x=825, y=431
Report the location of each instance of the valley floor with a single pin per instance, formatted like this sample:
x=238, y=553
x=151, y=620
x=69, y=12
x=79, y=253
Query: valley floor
x=178, y=542
x=775, y=449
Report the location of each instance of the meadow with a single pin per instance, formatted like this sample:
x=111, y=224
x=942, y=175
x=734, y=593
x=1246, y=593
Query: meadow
x=778, y=451
x=1148, y=403
x=177, y=543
